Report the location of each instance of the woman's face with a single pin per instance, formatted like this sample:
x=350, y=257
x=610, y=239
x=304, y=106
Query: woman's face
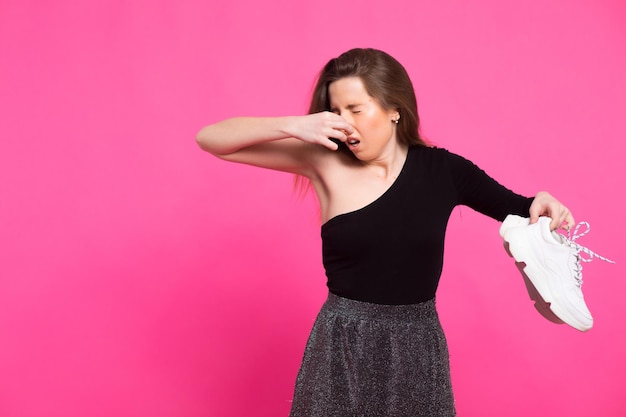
x=374, y=130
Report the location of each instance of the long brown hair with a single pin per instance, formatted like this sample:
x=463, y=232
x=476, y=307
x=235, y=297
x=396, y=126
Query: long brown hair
x=384, y=78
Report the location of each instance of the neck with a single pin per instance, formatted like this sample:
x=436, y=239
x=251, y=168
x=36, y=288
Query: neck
x=389, y=164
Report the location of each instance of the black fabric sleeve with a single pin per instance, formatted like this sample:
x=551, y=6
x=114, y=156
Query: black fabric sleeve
x=482, y=193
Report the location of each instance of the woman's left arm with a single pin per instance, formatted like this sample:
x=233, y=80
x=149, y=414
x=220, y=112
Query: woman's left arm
x=479, y=191
x=545, y=204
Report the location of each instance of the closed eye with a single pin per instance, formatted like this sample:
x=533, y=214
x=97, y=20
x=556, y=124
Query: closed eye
x=354, y=108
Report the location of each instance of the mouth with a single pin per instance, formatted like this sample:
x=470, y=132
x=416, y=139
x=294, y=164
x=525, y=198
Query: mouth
x=353, y=143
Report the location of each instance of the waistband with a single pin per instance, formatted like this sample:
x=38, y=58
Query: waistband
x=364, y=310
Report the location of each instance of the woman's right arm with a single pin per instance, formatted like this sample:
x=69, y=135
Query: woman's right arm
x=281, y=143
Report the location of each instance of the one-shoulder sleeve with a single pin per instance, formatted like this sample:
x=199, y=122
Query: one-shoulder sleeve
x=482, y=193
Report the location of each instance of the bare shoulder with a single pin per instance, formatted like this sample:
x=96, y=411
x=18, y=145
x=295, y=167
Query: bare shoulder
x=331, y=166
x=337, y=177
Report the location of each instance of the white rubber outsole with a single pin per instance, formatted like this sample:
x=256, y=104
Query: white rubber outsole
x=541, y=305
x=539, y=277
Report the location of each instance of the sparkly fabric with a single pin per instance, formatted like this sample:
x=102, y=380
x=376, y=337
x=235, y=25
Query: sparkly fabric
x=365, y=359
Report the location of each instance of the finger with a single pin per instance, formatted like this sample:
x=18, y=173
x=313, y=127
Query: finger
x=346, y=133
x=534, y=214
x=555, y=223
x=565, y=218
x=339, y=123
x=336, y=135
x=331, y=143
x=563, y=213
x=340, y=134
x=346, y=128
x=568, y=221
x=557, y=215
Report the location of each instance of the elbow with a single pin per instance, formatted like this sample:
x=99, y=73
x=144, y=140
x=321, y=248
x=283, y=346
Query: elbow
x=207, y=142
x=203, y=140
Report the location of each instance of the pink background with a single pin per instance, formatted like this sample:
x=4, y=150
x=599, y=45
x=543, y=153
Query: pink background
x=140, y=276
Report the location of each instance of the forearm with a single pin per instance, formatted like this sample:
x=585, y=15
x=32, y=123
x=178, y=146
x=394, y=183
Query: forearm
x=231, y=135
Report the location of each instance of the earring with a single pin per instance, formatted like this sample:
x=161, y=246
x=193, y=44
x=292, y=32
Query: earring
x=396, y=121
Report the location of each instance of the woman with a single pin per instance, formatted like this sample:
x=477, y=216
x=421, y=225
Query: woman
x=377, y=348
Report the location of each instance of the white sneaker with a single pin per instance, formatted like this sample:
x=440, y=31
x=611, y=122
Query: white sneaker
x=552, y=266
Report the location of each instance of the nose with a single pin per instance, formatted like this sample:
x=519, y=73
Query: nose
x=348, y=117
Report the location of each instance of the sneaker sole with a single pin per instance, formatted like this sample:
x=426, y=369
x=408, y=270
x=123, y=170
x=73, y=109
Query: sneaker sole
x=537, y=277
x=541, y=305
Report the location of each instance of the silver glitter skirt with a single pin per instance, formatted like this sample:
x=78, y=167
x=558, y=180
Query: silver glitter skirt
x=365, y=359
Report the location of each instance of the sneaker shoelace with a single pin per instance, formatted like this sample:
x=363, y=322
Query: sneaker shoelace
x=570, y=240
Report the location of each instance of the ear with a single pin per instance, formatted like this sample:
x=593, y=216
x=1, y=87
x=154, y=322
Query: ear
x=395, y=116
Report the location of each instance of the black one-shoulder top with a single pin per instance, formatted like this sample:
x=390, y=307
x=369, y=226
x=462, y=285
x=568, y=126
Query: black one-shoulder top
x=391, y=251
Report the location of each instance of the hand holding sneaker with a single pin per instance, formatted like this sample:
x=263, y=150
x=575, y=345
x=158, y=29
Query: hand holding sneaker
x=552, y=265
x=546, y=205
